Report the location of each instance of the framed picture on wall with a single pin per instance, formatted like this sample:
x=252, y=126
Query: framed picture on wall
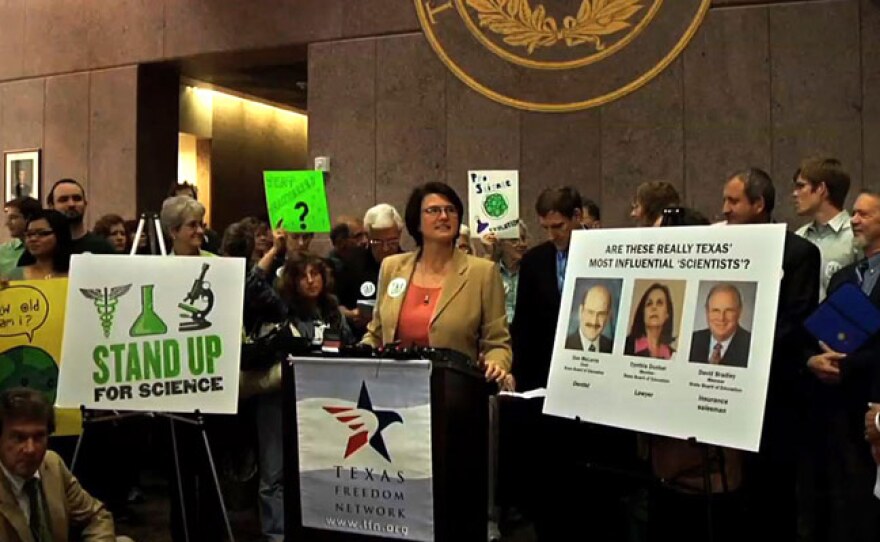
x=22, y=174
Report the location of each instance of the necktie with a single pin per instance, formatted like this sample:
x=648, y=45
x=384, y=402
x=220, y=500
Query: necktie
x=592, y=348
x=39, y=521
x=561, y=262
x=715, y=358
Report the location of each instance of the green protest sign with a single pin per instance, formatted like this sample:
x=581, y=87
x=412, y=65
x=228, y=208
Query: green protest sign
x=298, y=198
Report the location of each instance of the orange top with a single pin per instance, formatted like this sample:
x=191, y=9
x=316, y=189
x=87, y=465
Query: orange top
x=414, y=324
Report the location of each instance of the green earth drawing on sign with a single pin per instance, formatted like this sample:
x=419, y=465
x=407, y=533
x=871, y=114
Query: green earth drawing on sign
x=30, y=367
x=495, y=205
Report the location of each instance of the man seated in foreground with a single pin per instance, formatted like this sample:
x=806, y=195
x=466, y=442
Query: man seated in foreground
x=40, y=500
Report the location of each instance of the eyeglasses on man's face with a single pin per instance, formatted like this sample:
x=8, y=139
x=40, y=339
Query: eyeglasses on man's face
x=385, y=243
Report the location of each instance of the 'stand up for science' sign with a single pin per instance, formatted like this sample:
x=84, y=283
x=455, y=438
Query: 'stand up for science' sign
x=153, y=333
x=669, y=331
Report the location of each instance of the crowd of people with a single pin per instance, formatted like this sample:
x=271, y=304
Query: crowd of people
x=498, y=302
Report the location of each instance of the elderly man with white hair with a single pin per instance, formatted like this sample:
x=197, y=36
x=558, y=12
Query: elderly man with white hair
x=357, y=281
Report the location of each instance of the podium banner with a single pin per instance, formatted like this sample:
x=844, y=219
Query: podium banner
x=364, y=433
x=669, y=331
x=152, y=333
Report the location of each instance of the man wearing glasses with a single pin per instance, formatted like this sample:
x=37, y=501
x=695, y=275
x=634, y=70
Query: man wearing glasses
x=357, y=281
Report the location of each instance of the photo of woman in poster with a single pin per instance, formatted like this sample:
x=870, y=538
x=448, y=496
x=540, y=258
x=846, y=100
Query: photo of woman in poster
x=652, y=330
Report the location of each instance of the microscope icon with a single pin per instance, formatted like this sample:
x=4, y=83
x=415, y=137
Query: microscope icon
x=197, y=304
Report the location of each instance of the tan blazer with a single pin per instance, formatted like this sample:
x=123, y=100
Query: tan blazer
x=469, y=316
x=68, y=505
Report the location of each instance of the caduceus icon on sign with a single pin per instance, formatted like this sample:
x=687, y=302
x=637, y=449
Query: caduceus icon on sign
x=106, y=300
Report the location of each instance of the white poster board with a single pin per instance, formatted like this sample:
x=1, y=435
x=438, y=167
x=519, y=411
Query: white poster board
x=152, y=333
x=642, y=312
x=493, y=203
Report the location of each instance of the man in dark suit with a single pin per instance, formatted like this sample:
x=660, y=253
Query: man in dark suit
x=725, y=342
x=539, y=293
x=560, y=446
x=770, y=476
x=854, y=380
x=593, y=316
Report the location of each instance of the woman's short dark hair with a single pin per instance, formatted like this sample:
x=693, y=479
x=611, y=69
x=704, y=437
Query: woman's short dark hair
x=106, y=223
x=638, y=326
x=413, y=213
x=26, y=404
x=60, y=226
x=295, y=269
x=238, y=239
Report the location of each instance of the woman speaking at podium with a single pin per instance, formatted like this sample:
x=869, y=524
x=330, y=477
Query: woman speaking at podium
x=438, y=296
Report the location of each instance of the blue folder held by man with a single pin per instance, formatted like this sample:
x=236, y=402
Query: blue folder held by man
x=845, y=320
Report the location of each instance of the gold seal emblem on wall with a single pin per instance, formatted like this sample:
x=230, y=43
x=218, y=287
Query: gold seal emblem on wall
x=558, y=55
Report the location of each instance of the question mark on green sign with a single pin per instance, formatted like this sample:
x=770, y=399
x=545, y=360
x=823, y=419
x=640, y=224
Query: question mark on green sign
x=305, y=212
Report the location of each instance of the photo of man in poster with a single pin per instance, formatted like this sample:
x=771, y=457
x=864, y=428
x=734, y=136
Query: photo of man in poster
x=593, y=310
x=725, y=341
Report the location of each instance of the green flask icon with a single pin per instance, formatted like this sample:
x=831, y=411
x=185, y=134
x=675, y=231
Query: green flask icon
x=148, y=323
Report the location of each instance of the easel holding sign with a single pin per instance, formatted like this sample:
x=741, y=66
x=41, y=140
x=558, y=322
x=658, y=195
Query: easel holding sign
x=165, y=353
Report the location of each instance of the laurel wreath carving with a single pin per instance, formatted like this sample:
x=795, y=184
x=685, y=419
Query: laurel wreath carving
x=524, y=26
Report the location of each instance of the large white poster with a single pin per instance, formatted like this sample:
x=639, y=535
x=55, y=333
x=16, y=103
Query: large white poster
x=493, y=203
x=669, y=331
x=364, y=433
x=152, y=333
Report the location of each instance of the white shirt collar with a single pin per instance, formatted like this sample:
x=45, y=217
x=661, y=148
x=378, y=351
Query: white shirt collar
x=16, y=481
x=724, y=344
x=841, y=221
x=585, y=342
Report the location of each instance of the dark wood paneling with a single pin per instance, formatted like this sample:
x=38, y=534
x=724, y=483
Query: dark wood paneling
x=816, y=90
x=202, y=26
x=247, y=140
x=111, y=184
x=125, y=31
x=727, y=106
x=55, y=36
x=158, y=124
x=12, y=13
x=230, y=182
x=66, y=146
x=411, y=124
x=642, y=140
x=376, y=17
x=342, y=120
x=871, y=92
x=481, y=134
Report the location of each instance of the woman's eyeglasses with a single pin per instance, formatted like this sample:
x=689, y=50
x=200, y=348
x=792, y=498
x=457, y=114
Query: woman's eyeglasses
x=435, y=210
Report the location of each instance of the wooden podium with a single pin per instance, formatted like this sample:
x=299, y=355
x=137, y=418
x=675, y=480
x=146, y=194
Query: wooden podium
x=460, y=433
